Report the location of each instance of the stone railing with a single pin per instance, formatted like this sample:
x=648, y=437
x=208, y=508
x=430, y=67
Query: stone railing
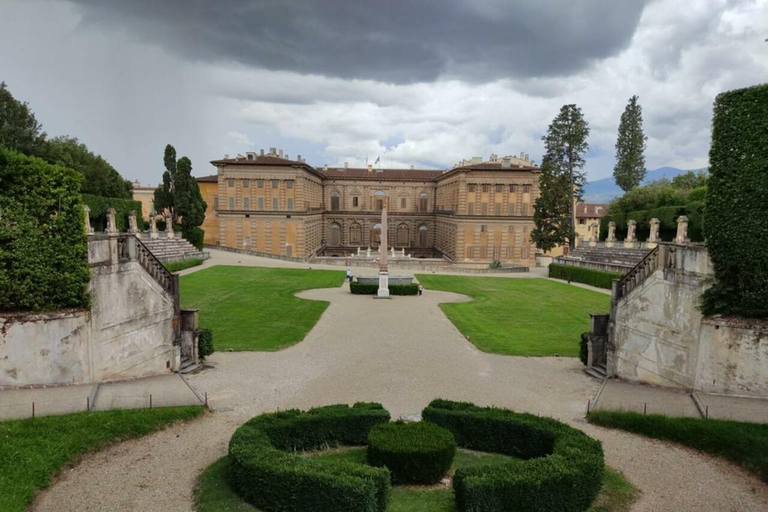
x=158, y=272
x=637, y=274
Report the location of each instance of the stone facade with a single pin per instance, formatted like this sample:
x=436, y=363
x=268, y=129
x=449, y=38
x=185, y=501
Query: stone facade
x=269, y=204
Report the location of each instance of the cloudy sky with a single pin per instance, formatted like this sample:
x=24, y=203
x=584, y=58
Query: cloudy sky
x=423, y=82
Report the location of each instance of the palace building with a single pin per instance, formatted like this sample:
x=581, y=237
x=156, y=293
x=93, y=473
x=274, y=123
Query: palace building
x=270, y=204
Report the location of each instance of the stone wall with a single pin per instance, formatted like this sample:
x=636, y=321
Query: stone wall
x=660, y=336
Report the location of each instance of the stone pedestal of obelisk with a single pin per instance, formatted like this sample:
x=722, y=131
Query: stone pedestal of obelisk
x=383, y=292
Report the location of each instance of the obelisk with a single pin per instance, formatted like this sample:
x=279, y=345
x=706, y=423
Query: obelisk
x=383, y=272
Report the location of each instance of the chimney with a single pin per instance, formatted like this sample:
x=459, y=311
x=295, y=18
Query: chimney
x=411, y=166
x=272, y=151
x=226, y=157
x=280, y=153
x=506, y=163
x=325, y=167
x=346, y=165
x=262, y=152
x=370, y=167
x=298, y=157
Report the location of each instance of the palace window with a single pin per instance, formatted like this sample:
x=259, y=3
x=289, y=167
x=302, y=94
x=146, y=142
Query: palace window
x=355, y=234
x=486, y=187
x=497, y=209
x=582, y=221
x=483, y=228
x=335, y=234
x=471, y=209
x=230, y=182
x=246, y=203
x=275, y=204
x=260, y=183
x=246, y=183
x=423, y=202
x=525, y=209
x=289, y=204
x=215, y=202
x=260, y=203
x=335, y=202
x=513, y=189
x=275, y=183
x=231, y=203
x=403, y=203
x=355, y=201
x=526, y=189
x=471, y=187
x=499, y=188
x=484, y=209
x=289, y=184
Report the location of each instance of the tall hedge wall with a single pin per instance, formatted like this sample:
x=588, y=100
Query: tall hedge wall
x=736, y=219
x=667, y=216
x=99, y=206
x=43, y=245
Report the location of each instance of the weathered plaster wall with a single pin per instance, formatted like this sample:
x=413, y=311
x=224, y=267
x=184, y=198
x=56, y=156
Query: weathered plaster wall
x=128, y=332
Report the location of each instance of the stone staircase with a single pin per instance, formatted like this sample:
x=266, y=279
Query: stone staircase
x=189, y=366
x=612, y=259
x=173, y=249
x=597, y=371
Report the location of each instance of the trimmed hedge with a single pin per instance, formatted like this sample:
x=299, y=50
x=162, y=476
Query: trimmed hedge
x=596, y=278
x=584, y=348
x=414, y=453
x=205, y=343
x=177, y=266
x=735, y=224
x=265, y=472
x=562, y=467
x=99, y=206
x=394, y=289
x=43, y=244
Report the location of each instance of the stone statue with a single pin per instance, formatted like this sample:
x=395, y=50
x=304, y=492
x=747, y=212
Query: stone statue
x=88, y=227
x=169, y=225
x=654, y=236
x=630, y=240
x=682, y=230
x=133, y=226
x=111, y=224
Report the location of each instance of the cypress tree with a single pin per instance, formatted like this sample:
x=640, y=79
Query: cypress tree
x=163, y=199
x=629, y=170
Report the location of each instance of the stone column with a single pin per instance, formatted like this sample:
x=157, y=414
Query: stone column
x=153, y=226
x=133, y=226
x=169, y=226
x=653, y=239
x=630, y=240
x=593, y=234
x=383, y=272
x=111, y=223
x=682, y=230
x=88, y=226
x=611, y=234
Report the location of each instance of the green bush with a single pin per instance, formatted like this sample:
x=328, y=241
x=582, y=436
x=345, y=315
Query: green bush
x=394, y=289
x=43, y=244
x=561, y=467
x=205, y=343
x=735, y=225
x=596, y=278
x=265, y=472
x=584, y=348
x=177, y=266
x=99, y=206
x=195, y=236
x=414, y=453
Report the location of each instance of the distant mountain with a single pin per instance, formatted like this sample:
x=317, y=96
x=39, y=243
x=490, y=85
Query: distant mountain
x=602, y=191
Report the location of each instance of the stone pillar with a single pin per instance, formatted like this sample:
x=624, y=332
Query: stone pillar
x=630, y=240
x=88, y=226
x=383, y=291
x=153, y=226
x=611, y=234
x=682, y=230
x=169, y=226
x=133, y=226
x=653, y=238
x=593, y=234
x=111, y=223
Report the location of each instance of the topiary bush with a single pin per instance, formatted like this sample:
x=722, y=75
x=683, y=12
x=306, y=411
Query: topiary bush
x=266, y=473
x=43, y=243
x=394, y=289
x=205, y=343
x=414, y=453
x=561, y=468
x=596, y=278
x=735, y=227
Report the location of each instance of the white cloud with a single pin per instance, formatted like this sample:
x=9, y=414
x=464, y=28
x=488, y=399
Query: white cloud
x=240, y=138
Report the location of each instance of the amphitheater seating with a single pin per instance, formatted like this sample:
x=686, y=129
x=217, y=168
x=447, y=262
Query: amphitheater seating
x=174, y=249
x=615, y=259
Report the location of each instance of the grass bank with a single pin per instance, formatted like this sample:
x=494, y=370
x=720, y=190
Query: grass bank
x=520, y=316
x=745, y=444
x=254, y=308
x=33, y=451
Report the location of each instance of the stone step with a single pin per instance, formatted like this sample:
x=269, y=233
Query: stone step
x=597, y=371
x=189, y=367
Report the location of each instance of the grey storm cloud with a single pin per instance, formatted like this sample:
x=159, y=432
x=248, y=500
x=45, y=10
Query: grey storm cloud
x=388, y=41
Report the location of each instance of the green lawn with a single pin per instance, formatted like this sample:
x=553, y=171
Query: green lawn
x=253, y=308
x=520, y=317
x=213, y=493
x=745, y=444
x=33, y=451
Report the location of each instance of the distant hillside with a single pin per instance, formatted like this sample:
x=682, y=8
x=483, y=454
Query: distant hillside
x=602, y=191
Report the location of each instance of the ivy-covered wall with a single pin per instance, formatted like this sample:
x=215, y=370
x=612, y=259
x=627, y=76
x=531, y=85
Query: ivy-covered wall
x=99, y=206
x=43, y=244
x=736, y=217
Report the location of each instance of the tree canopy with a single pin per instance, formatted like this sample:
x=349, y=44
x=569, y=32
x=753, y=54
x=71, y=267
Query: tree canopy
x=629, y=170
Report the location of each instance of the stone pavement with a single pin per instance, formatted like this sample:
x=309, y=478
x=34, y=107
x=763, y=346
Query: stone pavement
x=161, y=391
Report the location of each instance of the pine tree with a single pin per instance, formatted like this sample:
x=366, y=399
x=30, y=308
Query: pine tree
x=562, y=179
x=630, y=147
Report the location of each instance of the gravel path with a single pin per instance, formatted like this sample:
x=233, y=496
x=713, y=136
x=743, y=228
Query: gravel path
x=401, y=352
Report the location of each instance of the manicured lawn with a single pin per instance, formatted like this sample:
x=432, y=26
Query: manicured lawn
x=213, y=493
x=253, y=308
x=33, y=451
x=520, y=317
x=745, y=444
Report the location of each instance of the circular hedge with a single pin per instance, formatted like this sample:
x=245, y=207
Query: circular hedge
x=414, y=453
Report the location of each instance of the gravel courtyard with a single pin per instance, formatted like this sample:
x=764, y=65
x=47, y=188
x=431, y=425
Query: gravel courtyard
x=401, y=352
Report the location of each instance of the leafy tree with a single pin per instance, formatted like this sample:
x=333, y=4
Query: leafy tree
x=164, y=193
x=19, y=130
x=690, y=180
x=562, y=179
x=630, y=147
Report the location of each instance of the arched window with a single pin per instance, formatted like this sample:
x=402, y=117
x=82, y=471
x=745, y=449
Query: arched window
x=335, y=201
x=423, y=233
x=403, y=236
x=379, y=198
x=355, y=234
x=423, y=202
x=335, y=234
x=376, y=235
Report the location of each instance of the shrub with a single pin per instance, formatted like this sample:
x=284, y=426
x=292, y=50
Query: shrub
x=562, y=468
x=495, y=264
x=394, y=289
x=416, y=453
x=736, y=204
x=196, y=237
x=266, y=474
x=596, y=278
x=205, y=343
x=43, y=244
x=177, y=266
x=99, y=206
x=584, y=348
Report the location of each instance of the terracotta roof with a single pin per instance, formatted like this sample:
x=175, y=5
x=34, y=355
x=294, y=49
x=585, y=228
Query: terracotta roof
x=259, y=160
x=496, y=166
x=380, y=174
x=591, y=210
x=213, y=178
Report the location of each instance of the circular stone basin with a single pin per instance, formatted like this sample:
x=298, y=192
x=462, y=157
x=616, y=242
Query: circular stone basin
x=414, y=453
